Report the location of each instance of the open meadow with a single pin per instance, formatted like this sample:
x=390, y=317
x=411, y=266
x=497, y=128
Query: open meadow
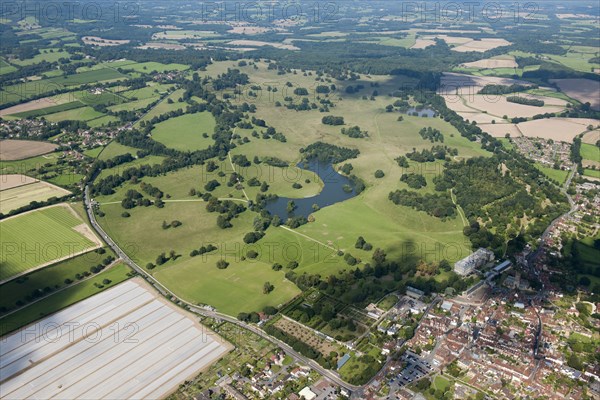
x=185, y=133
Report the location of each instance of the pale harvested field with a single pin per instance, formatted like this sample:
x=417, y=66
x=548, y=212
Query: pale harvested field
x=20, y=149
x=583, y=90
x=16, y=197
x=498, y=106
x=464, y=84
x=158, y=45
x=481, y=45
x=37, y=104
x=591, y=137
x=500, y=130
x=98, y=41
x=156, y=347
x=450, y=40
x=14, y=180
x=260, y=43
x=480, y=118
x=490, y=63
x=422, y=43
x=563, y=129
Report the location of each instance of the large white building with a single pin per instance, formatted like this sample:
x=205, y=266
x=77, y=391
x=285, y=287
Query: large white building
x=473, y=261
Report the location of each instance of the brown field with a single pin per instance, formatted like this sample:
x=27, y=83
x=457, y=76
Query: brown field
x=260, y=44
x=489, y=63
x=591, y=137
x=14, y=180
x=481, y=45
x=21, y=195
x=19, y=149
x=37, y=104
x=584, y=90
x=305, y=335
x=98, y=41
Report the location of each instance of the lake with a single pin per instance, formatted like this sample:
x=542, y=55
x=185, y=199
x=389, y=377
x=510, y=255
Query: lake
x=332, y=192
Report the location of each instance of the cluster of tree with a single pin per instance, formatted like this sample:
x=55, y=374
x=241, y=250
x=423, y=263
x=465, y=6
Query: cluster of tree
x=414, y=181
x=162, y=259
x=230, y=79
x=355, y=132
x=332, y=120
x=362, y=244
x=433, y=204
x=253, y=237
x=328, y=152
x=526, y=101
x=271, y=133
x=275, y=162
x=133, y=199
x=436, y=152
x=227, y=210
x=173, y=224
x=505, y=89
x=402, y=161
x=202, y=250
x=487, y=192
x=301, y=347
x=431, y=134
x=222, y=264
x=151, y=190
x=241, y=160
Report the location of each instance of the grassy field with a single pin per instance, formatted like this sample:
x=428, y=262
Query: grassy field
x=81, y=114
x=148, y=67
x=114, y=149
x=17, y=291
x=594, y=173
x=148, y=160
x=165, y=107
x=49, y=110
x=590, y=152
x=197, y=279
x=40, y=237
x=99, y=75
x=185, y=132
x=554, y=174
x=65, y=298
